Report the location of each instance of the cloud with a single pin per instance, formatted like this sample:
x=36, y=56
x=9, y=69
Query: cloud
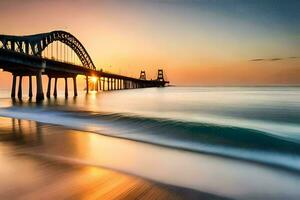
x=257, y=59
x=272, y=59
x=276, y=59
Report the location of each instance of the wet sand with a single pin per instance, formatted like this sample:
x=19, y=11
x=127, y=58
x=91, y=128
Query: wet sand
x=41, y=161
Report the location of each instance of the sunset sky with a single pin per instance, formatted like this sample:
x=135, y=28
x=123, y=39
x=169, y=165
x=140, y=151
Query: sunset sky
x=196, y=41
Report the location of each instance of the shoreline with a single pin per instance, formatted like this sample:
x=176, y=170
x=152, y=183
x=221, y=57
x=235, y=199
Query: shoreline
x=210, y=153
x=23, y=145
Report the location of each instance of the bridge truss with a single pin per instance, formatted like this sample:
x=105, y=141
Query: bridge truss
x=36, y=45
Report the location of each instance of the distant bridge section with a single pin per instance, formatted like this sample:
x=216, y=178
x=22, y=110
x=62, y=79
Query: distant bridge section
x=58, y=54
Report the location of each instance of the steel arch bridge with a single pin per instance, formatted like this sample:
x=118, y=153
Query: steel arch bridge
x=36, y=44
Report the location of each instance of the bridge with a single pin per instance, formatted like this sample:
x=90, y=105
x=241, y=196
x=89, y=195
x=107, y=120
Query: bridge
x=58, y=54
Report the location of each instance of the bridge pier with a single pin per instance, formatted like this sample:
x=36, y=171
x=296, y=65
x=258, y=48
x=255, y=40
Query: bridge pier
x=111, y=84
x=13, y=89
x=55, y=88
x=39, y=87
x=49, y=87
x=20, y=88
x=30, y=87
x=75, y=86
x=96, y=85
x=66, y=88
x=99, y=83
x=103, y=84
x=125, y=84
x=87, y=84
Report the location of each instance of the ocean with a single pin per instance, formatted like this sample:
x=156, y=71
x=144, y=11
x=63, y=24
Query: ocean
x=250, y=130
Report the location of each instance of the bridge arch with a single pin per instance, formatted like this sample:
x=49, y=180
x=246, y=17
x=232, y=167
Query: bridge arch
x=36, y=44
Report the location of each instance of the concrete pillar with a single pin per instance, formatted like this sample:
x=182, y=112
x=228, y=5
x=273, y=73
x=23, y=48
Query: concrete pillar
x=55, y=87
x=13, y=88
x=99, y=82
x=49, y=87
x=30, y=87
x=96, y=85
x=103, y=83
x=20, y=88
x=75, y=86
x=66, y=87
x=108, y=84
x=39, y=87
x=87, y=84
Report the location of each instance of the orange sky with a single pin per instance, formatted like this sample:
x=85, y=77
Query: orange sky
x=195, y=43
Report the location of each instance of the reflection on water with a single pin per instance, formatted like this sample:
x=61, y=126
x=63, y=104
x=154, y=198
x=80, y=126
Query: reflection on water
x=20, y=131
x=56, y=159
x=39, y=161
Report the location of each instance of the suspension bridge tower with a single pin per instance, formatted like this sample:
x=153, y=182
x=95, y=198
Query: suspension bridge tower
x=143, y=75
x=160, y=75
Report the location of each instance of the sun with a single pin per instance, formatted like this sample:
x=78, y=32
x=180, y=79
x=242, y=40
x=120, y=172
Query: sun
x=94, y=79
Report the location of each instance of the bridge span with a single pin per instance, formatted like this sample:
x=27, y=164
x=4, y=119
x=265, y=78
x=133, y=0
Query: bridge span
x=59, y=54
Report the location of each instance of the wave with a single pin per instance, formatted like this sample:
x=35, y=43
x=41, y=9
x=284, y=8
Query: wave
x=230, y=141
